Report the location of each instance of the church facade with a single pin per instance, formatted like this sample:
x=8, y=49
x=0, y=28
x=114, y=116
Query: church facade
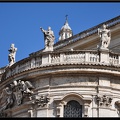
x=79, y=76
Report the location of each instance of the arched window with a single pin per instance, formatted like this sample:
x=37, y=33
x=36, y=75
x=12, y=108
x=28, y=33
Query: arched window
x=73, y=109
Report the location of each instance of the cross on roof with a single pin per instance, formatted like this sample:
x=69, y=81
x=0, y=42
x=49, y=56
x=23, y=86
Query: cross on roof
x=66, y=16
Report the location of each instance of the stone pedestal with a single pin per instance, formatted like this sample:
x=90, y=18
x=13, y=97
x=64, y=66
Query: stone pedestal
x=46, y=58
x=104, y=55
x=48, y=49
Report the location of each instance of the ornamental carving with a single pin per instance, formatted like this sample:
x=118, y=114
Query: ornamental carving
x=22, y=89
x=14, y=94
x=6, y=100
x=104, y=101
x=41, y=101
x=117, y=103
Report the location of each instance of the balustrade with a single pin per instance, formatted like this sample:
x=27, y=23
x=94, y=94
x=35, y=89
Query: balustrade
x=55, y=58
x=38, y=61
x=24, y=66
x=74, y=57
x=113, y=58
x=94, y=57
x=68, y=57
x=2, y=70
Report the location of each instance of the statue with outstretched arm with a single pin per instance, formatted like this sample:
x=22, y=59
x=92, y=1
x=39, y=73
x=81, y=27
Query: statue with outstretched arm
x=48, y=38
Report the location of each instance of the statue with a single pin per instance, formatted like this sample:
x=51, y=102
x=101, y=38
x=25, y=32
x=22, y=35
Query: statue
x=13, y=94
x=22, y=88
x=27, y=87
x=11, y=56
x=18, y=92
x=6, y=99
x=48, y=38
x=105, y=36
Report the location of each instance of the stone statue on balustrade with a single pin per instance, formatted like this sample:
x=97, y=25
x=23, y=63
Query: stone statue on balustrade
x=48, y=39
x=12, y=53
x=105, y=37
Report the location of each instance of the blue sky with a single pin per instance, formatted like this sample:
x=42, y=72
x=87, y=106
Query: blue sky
x=20, y=22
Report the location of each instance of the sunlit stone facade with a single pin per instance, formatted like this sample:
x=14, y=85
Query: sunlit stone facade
x=75, y=79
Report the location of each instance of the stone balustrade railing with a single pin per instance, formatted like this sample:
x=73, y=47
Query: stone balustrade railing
x=75, y=56
x=114, y=59
x=66, y=57
x=2, y=70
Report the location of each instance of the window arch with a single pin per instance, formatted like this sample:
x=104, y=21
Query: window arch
x=72, y=109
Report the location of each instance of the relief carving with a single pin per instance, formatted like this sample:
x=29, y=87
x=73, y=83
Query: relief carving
x=22, y=89
x=14, y=93
x=41, y=101
x=117, y=103
x=6, y=100
x=104, y=101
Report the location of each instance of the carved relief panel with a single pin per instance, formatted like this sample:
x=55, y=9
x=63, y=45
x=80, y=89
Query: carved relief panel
x=104, y=101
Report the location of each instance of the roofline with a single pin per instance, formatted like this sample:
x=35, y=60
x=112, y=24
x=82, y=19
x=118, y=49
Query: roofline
x=80, y=35
x=86, y=33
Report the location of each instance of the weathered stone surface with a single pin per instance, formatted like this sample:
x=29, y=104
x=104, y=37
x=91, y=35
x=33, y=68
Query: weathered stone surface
x=76, y=73
x=74, y=81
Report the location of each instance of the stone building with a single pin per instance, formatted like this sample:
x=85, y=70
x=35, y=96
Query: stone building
x=79, y=76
